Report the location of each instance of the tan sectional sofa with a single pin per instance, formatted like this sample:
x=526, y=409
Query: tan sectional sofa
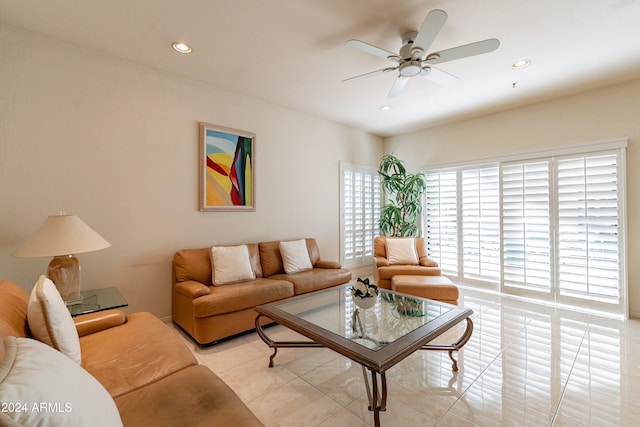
x=144, y=366
x=209, y=312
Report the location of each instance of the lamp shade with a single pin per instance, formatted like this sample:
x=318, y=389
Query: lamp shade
x=61, y=235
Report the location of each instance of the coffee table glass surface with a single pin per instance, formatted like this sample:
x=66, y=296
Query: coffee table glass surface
x=391, y=317
x=377, y=337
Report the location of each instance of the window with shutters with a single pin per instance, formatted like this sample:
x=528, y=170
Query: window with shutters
x=549, y=227
x=588, y=227
x=360, y=200
x=440, y=219
x=526, y=225
x=481, y=223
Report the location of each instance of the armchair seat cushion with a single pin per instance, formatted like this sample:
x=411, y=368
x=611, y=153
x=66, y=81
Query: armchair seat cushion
x=407, y=270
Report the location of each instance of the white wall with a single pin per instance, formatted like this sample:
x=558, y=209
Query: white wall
x=117, y=144
x=592, y=116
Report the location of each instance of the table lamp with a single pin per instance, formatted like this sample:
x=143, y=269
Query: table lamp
x=62, y=236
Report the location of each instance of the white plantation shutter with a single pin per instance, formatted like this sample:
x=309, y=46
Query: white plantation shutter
x=588, y=244
x=481, y=223
x=360, y=211
x=560, y=219
x=526, y=238
x=441, y=219
x=372, y=204
x=348, y=216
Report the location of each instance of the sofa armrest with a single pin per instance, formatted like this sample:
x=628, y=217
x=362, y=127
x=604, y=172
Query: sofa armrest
x=381, y=261
x=327, y=264
x=95, y=322
x=427, y=262
x=191, y=289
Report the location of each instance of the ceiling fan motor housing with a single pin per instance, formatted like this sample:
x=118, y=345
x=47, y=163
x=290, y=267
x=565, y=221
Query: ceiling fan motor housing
x=411, y=59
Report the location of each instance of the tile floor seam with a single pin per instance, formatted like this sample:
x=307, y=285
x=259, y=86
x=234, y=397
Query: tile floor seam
x=566, y=383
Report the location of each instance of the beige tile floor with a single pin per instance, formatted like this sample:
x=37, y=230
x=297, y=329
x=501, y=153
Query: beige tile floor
x=525, y=365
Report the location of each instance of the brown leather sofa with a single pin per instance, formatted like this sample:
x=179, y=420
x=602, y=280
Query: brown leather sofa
x=385, y=270
x=150, y=373
x=209, y=313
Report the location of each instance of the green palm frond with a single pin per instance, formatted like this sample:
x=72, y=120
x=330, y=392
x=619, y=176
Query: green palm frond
x=399, y=217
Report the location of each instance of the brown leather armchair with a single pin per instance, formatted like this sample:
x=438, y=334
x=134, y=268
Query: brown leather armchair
x=386, y=269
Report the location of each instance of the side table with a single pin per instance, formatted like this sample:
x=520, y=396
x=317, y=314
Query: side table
x=98, y=300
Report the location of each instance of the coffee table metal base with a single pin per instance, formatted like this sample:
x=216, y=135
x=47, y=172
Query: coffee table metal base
x=455, y=346
x=376, y=388
x=275, y=345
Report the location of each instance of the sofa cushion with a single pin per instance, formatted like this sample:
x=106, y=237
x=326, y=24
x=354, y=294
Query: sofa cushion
x=193, y=264
x=200, y=398
x=401, y=251
x=316, y=279
x=239, y=296
x=270, y=258
x=13, y=319
x=230, y=264
x=33, y=374
x=50, y=321
x=295, y=256
x=132, y=355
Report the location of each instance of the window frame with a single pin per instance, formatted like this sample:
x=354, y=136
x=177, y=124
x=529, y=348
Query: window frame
x=617, y=146
x=370, y=208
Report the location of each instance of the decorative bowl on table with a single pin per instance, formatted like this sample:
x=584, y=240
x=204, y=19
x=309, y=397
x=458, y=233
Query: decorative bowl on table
x=364, y=293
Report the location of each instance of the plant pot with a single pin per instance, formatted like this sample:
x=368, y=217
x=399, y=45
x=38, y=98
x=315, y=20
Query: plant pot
x=365, y=303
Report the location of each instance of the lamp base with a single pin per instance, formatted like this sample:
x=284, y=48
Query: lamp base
x=64, y=271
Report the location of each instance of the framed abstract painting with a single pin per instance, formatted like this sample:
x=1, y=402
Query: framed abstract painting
x=227, y=169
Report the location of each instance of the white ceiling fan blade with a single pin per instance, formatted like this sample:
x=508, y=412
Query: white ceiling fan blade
x=397, y=87
x=373, y=50
x=439, y=76
x=429, y=29
x=471, y=49
x=370, y=74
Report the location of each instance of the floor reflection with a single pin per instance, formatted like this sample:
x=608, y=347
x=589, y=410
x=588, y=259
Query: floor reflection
x=525, y=364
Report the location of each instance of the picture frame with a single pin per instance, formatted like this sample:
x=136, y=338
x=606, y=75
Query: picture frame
x=227, y=169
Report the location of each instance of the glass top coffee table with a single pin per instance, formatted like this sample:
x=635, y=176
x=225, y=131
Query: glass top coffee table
x=377, y=337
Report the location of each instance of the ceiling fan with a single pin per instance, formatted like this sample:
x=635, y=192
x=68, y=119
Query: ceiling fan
x=414, y=59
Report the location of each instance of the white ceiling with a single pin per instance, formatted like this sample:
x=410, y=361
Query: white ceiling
x=293, y=52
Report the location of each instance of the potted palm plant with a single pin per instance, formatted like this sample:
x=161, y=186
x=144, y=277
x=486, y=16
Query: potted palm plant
x=399, y=217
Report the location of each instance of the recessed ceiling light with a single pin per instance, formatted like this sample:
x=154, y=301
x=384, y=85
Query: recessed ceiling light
x=181, y=47
x=521, y=63
x=386, y=108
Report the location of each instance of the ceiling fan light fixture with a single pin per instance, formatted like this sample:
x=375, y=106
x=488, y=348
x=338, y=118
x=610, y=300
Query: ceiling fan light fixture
x=521, y=63
x=181, y=47
x=410, y=69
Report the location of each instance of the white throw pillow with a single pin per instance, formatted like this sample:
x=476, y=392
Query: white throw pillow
x=401, y=251
x=50, y=320
x=41, y=387
x=295, y=256
x=230, y=264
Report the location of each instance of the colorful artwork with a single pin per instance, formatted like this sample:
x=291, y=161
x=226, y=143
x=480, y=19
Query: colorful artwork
x=227, y=181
